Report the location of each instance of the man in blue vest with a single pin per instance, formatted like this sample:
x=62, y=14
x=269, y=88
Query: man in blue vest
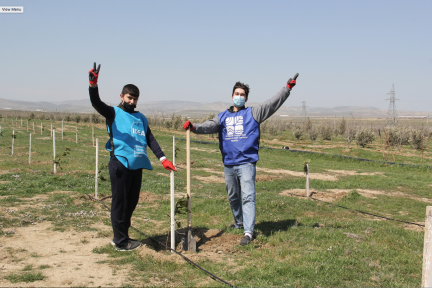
x=130, y=136
x=239, y=134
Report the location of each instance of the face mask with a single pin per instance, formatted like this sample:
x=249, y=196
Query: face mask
x=239, y=101
x=129, y=106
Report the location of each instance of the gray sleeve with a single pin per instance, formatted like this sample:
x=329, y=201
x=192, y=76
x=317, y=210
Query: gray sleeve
x=208, y=127
x=268, y=108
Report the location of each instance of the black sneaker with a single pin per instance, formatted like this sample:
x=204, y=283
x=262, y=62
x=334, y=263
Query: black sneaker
x=246, y=240
x=131, y=245
x=130, y=239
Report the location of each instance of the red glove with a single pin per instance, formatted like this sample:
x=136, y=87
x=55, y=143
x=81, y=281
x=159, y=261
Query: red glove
x=187, y=125
x=168, y=165
x=94, y=74
x=292, y=82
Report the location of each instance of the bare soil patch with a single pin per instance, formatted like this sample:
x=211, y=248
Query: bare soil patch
x=355, y=173
x=210, y=179
x=206, y=150
x=333, y=195
x=148, y=197
x=67, y=255
x=317, y=176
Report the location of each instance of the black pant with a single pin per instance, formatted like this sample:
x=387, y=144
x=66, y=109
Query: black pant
x=125, y=188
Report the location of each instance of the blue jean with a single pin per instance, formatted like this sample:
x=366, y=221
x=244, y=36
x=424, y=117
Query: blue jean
x=240, y=185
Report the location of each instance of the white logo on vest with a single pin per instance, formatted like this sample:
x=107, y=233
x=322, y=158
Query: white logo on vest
x=234, y=126
x=137, y=131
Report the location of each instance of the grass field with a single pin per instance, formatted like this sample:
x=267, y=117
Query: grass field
x=299, y=242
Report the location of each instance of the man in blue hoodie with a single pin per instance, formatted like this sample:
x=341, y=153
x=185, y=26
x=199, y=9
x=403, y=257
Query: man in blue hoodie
x=239, y=134
x=130, y=135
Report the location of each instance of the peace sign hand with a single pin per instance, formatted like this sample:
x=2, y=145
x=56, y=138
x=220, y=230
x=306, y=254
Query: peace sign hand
x=94, y=74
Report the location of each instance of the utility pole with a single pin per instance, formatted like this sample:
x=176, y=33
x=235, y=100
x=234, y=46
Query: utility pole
x=303, y=113
x=392, y=117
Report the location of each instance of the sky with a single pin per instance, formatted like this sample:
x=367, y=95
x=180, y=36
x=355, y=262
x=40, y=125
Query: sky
x=348, y=53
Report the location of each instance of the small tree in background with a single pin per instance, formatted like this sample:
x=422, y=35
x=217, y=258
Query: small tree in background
x=342, y=126
x=418, y=138
x=297, y=132
x=325, y=131
x=364, y=137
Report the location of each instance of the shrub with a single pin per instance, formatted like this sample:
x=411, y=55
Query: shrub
x=325, y=131
x=297, y=132
x=31, y=116
x=398, y=135
x=77, y=118
x=364, y=137
x=342, y=126
x=313, y=134
x=418, y=138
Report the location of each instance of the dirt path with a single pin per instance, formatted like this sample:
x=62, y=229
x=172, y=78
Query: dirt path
x=67, y=256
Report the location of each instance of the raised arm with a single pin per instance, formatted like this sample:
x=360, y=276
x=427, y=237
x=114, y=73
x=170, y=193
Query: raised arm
x=103, y=109
x=268, y=108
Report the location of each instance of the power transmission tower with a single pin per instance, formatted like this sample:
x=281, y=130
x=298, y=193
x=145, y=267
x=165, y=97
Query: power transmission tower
x=303, y=113
x=392, y=117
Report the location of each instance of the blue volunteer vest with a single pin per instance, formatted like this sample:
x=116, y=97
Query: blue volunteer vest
x=238, y=137
x=129, y=139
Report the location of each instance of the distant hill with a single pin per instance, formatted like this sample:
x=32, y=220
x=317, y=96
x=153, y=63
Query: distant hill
x=198, y=109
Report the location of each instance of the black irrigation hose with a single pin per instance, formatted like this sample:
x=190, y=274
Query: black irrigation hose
x=214, y=277
x=320, y=153
x=363, y=212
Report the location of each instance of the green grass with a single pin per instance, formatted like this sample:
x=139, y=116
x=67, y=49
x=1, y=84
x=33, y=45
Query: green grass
x=25, y=277
x=299, y=242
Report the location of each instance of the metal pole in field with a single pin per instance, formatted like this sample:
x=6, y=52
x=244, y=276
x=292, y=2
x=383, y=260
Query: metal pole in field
x=172, y=201
x=93, y=136
x=30, y=149
x=54, y=153
x=307, y=180
x=13, y=140
x=97, y=166
x=62, y=130
x=427, y=250
x=76, y=134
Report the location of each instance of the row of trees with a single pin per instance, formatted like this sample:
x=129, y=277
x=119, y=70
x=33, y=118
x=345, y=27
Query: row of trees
x=348, y=129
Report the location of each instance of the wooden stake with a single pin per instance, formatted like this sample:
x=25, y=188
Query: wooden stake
x=76, y=134
x=54, y=152
x=41, y=128
x=51, y=131
x=188, y=179
x=21, y=123
x=172, y=201
x=33, y=128
x=30, y=149
x=427, y=250
x=97, y=166
x=27, y=125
